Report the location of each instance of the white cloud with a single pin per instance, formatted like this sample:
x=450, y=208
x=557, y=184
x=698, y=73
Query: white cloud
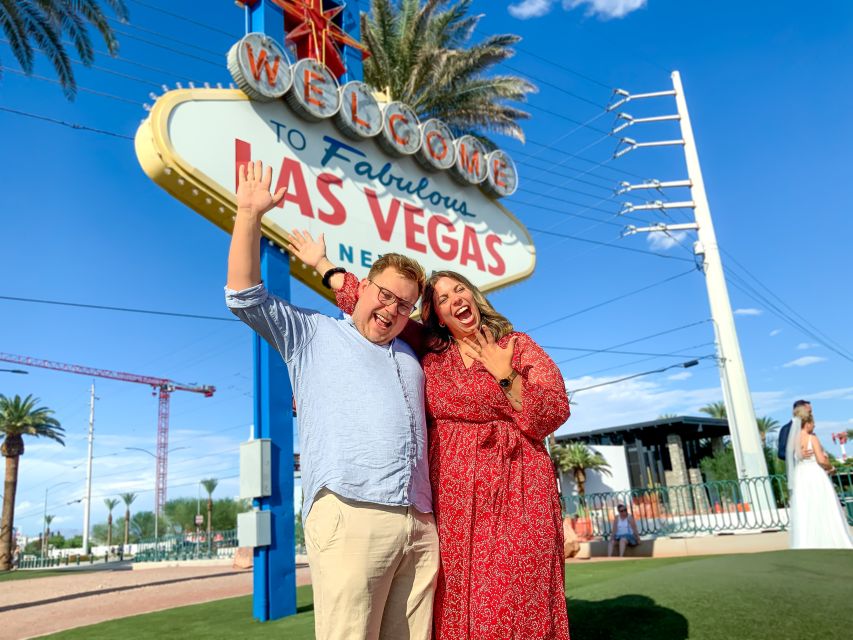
x=748, y=312
x=843, y=393
x=806, y=345
x=530, y=9
x=775, y=332
x=682, y=375
x=605, y=9
x=659, y=241
x=804, y=361
x=630, y=401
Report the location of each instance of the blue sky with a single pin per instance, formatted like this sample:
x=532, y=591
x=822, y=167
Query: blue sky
x=770, y=104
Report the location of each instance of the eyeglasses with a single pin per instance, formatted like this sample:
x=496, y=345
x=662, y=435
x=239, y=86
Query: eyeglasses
x=388, y=298
x=623, y=511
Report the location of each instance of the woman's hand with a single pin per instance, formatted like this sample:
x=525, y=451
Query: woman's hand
x=306, y=248
x=496, y=359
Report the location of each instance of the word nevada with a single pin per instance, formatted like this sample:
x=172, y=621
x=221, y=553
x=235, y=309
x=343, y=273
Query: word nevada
x=263, y=71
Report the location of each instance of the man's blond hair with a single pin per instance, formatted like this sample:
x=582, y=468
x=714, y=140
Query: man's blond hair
x=405, y=266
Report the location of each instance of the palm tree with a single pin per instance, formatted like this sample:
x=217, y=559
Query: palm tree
x=579, y=458
x=766, y=424
x=209, y=486
x=420, y=55
x=111, y=504
x=128, y=499
x=31, y=25
x=715, y=410
x=19, y=418
x=45, y=543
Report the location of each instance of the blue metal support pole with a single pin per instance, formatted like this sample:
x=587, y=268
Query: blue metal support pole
x=274, y=566
x=352, y=57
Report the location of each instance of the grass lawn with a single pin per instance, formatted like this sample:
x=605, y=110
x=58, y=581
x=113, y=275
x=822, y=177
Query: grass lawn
x=8, y=576
x=738, y=597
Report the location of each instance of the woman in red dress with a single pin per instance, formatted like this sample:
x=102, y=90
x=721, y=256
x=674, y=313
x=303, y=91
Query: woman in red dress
x=492, y=395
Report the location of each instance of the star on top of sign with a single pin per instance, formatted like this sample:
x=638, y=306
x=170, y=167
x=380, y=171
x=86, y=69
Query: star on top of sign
x=312, y=29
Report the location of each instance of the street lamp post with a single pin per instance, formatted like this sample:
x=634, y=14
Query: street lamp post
x=156, y=515
x=44, y=516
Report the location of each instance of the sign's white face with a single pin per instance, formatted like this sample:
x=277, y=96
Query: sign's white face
x=364, y=201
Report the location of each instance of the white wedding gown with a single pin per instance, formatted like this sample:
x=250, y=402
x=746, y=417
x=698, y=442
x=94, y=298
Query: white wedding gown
x=817, y=521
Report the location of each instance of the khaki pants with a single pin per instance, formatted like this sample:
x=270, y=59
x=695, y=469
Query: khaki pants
x=373, y=569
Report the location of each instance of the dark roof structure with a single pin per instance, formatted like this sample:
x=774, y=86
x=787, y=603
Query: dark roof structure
x=653, y=431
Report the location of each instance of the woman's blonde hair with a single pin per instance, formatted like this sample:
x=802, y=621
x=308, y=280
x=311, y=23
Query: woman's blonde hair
x=440, y=337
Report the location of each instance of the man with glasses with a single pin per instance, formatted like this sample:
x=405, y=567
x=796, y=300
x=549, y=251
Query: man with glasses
x=623, y=532
x=369, y=529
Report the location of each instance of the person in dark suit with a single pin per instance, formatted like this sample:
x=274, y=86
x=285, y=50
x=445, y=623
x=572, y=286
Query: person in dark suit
x=802, y=409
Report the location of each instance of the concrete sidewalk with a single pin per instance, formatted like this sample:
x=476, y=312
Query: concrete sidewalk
x=39, y=606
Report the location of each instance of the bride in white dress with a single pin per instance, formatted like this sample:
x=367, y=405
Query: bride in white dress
x=816, y=521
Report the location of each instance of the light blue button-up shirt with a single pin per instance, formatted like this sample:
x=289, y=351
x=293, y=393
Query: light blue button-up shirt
x=362, y=426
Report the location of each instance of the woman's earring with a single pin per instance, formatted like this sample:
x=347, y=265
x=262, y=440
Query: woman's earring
x=442, y=325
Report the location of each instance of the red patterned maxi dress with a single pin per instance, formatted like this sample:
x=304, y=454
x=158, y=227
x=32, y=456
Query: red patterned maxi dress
x=494, y=494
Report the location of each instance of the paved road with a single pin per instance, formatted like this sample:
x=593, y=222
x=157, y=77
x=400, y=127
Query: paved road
x=31, y=608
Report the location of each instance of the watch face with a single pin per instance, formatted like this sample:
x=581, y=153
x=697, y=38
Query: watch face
x=505, y=383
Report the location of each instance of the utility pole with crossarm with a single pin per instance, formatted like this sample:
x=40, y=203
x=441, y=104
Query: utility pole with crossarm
x=748, y=450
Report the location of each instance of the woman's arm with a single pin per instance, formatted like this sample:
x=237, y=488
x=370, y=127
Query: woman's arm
x=820, y=454
x=545, y=405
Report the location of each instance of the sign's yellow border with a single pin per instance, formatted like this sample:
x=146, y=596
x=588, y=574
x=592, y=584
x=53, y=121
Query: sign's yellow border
x=165, y=167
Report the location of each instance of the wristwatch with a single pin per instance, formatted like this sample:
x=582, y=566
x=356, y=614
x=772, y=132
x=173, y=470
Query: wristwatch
x=506, y=383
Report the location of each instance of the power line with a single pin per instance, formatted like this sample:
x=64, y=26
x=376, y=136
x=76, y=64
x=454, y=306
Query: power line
x=167, y=48
x=184, y=18
x=611, y=300
x=83, y=89
x=123, y=309
x=642, y=339
x=71, y=125
x=547, y=83
x=169, y=37
x=606, y=244
x=558, y=66
x=628, y=364
x=784, y=304
x=614, y=351
x=739, y=283
x=684, y=365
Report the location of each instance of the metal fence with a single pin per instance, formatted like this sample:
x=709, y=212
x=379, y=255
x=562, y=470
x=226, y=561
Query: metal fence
x=754, y=504
x=188, y=546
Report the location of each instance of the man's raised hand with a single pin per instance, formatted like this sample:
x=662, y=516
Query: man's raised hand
x=253, y=189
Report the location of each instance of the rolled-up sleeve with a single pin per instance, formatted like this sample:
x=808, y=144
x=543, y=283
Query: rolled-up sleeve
x=284, y=326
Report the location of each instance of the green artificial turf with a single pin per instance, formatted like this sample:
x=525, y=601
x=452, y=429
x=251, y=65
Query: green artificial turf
x=8, y=576
x=765, y=596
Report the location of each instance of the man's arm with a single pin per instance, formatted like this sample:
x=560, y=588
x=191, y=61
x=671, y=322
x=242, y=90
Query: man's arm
x=253, y=201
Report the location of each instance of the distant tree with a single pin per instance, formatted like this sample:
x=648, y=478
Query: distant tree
x=766, y=425
x=715, y=410
x=298, y=530
x=19, y=417
x=111, y=504
x=209, y=486
x=720, y=466
x=578, y=458
x=128, y=499
x=39, y=25
x=45, y=547
x=180, y=513
x=667, y=416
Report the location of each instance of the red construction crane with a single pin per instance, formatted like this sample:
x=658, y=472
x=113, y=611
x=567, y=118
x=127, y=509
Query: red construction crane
x=164, y=389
